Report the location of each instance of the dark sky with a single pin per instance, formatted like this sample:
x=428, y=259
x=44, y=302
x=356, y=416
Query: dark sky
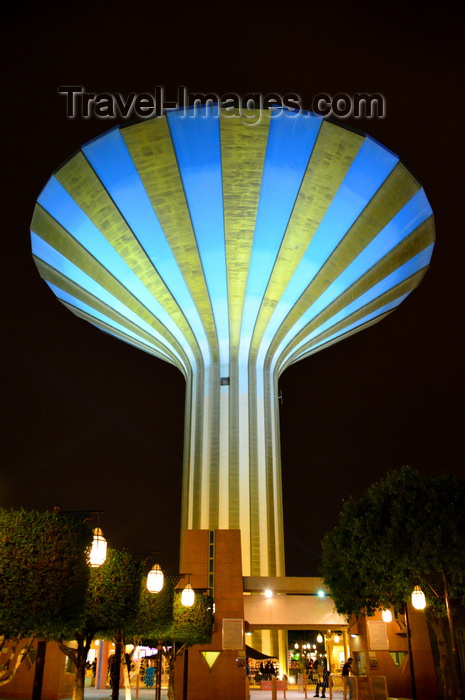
x=91, y=422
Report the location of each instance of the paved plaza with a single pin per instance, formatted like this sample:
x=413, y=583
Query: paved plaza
x=146, y=694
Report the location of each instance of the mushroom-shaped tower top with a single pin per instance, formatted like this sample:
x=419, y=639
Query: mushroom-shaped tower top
x=232, y=250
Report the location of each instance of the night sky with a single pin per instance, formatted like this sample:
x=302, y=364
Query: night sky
x=92, y=423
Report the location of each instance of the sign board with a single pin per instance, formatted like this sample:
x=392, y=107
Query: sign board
x=233, y=634
x=378, y=636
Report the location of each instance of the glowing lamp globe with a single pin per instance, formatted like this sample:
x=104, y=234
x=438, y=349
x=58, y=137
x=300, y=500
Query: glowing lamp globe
x=188, y=596
x=155, y=579
x=98, y=551
x=386, y=615
x=232, y=251
x=418, y=598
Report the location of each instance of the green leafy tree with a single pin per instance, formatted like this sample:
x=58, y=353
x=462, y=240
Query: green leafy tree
x=191, y=625
x=406, y=529
x=112, y=605
x=163, y=621
x=44, y=576
x=154, y=619
x=194, y=624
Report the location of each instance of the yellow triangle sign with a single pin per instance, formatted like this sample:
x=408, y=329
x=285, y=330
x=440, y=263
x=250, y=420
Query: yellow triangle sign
x=210, y=657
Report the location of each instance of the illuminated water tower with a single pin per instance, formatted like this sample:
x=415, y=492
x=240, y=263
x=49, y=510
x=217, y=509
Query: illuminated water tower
x=232, y=250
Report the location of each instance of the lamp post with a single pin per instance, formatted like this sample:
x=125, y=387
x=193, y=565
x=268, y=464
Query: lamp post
x=409, y=642
x=155, y=582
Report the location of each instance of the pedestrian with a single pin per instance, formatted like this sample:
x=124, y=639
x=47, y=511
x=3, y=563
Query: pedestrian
x=346, y=671
x=94, y=670
x=322, y=684
x=347, y=668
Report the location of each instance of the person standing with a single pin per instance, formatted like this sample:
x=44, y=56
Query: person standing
x=347, y=668
x=346, y=671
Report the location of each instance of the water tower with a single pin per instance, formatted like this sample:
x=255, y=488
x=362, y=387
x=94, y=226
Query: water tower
x=231, y=251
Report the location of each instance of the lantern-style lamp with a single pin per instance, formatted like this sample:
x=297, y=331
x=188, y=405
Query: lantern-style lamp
x=98, y=552
x=418, y=598
x=155, y=579
x=319, y=638
x=336, y=639
x=386, y=615
x=187, y=596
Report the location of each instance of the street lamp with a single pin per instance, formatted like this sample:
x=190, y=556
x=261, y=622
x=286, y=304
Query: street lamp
x=187, y=596
x=386, y=615
x=418, y=598
x=98, y=552
x=155, y=579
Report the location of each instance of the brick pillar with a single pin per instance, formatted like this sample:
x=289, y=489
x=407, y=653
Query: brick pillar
x=225, y=680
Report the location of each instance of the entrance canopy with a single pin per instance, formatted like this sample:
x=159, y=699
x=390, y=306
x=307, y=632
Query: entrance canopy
x=254, y=654
x=294, y=604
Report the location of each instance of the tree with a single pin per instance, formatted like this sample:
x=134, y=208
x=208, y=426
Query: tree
x=406, y=529
x=194, y=624
x=164, y=622
x=44, y=575
x=155, y=616
x=154, y=620
x=112, y=604
x=191, y=625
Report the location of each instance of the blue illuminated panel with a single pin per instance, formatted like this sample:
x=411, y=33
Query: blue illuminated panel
x=412, y=215
x=418, y=262
x=111, y=160
x=93, y=313
x=290, y=145
x=55, y=199
x=45, y=252
x=197, y=145
x=370, y=168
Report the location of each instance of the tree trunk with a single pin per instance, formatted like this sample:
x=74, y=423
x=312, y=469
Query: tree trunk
x=171, y=659
x=443, y=667
x=39, y=670
x=116, y=667
x=7, y=674
x=127, y=681
x=78, y=690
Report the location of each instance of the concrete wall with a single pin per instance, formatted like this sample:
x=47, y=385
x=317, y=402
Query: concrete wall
x=399, y=677
x=57, y=683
